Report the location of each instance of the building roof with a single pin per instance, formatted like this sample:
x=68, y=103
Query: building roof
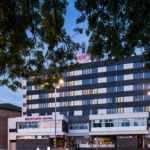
x=11, y=107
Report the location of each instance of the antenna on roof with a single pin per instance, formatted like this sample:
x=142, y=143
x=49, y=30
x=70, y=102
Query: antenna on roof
x=83, y=46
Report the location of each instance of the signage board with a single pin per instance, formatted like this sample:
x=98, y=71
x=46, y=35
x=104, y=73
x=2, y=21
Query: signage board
x=38, y=118
x=83, y=58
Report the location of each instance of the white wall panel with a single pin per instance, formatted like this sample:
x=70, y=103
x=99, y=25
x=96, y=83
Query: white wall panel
x=102, y=80
x=101, y=69
x=128, y=88
x=128, y=66
x=128, y=77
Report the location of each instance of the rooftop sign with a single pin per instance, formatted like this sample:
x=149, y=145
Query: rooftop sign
x=83, y=58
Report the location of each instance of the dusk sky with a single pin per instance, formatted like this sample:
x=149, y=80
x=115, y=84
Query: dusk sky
x=6, y=95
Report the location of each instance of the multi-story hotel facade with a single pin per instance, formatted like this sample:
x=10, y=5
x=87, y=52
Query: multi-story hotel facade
x=103, y=104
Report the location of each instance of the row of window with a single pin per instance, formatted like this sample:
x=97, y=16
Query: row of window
x=118, y=122
x=95, y=80
x=109, y=68
x=78, y=126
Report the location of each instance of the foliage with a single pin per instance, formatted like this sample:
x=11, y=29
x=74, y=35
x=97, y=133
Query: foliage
x=32, y=38
x=117, y=28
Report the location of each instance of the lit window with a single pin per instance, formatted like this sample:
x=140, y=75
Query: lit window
x=30, y=106
x=71, y=93
x=49, y=105
x=49, y=95
x=119, y=99
x=86, y=92
x=94, y=101
x=71, y=103
x=94, y=91
x=71, y=73
x=71, y=83
x=30, y=97
x=147, y=108
x=120, y=110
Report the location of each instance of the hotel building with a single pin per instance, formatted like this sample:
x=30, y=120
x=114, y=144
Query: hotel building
x=103, y=104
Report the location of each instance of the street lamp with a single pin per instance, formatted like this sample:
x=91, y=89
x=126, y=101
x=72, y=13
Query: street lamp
x=148, y=93
x=57, y=86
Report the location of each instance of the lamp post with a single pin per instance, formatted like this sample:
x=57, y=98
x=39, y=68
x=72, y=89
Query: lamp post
x=56, y=86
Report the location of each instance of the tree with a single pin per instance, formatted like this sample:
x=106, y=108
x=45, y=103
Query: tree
x=116, y=28
x=32, y=38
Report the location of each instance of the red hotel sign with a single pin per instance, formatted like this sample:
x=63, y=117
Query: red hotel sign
x=38, y=118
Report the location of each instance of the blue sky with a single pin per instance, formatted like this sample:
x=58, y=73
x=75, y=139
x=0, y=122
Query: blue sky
x=6, y=95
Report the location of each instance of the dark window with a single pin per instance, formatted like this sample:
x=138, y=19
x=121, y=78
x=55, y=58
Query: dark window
x=147, y=74
x=29, y=114
x=119, y=88
x=71, y=113
x=24, y=113
x=111, y=100
x=138, y=98
x=64, y=74
x=111, y=111
x=29, y=88
x=120, y=78
x=137, y=65
x=94, y=112
x=24, y=87
x=86, y=112
x=95, y=81
x=111, y=89
x=12, y=130
x=24, y=96
x=146, y=97
x=137, y=109
x=110, y=68
x=49, y=113
x=111, y=79
x=138, y=75
x=120, y=67
x=63, y=113
x=42, y=114
x=87, y=81
x=94, y=70
x=24, y=104
x=138, y=87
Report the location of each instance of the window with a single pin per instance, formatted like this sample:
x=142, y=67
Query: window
x=109, y=123
x=63, y=94
x=87, y=81
x=147, y=108
x=119, y=99
x=43, y=105
x=110, y=68
x=137, y=109
x=42, y=114
x=42, y=96
x=24, y=87
x=95, y=81
x=49, y=95
x=24, y=96
x=49, y=105
x=78, y=126
x=147, y=74
x=71, y=103
x=64, y=74
x=94, y=70
x=96, y=123
x=86, y=92
x=147, y=86
x=71, y=113
x=24, y=104
x=86, y=71
x=111, y=79
x=138, y=98
x=120, y=67
x=71, y=93
x=138, y=87
x=119, y=88
x=111, y=89
x=29, y=88
x=94, y=112
x=29, y=106
x=63, y=113
x=94, y=91
x=146, y=97
x=29, y=97
x=86, y=112
x=137, y=65
x=71, y=83
x=120, y=78
x=120, y=110
x=111, y=111
x=111, y=100
x=138, y=75
x=71, y=73
x=86, y=102
x=94, y=101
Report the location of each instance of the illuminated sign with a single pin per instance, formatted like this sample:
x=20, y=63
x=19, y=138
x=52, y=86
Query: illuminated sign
x=83, y=58
x=38, y=118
